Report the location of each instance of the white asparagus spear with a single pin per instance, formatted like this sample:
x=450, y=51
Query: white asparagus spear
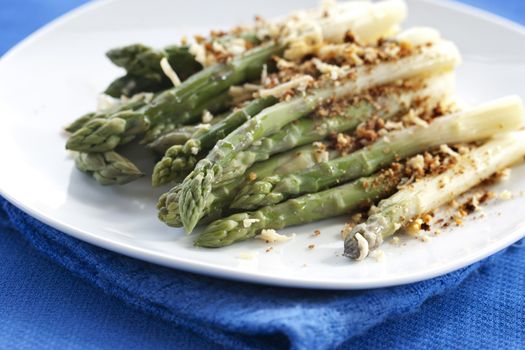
x=430, y=193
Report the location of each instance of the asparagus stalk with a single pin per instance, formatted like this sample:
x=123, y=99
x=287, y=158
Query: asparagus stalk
x=182, y=104
x=179, y=160
x=108, y=168
x=479, y=123
x=144, y=72
x=132, y=104
x=312, y=207
x=394, y=101
x=293, y=160
x=430, y=193
x=104, y=134
x=129, y=85
x=208, y=173
x=179, y=136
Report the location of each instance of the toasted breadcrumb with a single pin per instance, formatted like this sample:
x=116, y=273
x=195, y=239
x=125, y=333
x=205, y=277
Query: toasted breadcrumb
x=414, y=226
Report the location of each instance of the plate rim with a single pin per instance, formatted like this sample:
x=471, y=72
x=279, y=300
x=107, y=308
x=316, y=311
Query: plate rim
x=231, y=273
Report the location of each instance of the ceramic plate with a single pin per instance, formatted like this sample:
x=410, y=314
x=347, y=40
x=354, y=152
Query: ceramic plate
x=56, y=74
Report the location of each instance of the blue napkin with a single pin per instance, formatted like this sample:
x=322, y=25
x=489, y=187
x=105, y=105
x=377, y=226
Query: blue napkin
x=239, y=315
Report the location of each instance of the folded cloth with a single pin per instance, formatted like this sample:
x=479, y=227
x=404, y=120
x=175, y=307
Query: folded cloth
x=236, y=315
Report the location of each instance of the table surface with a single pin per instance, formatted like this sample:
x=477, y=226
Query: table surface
x=45, y=306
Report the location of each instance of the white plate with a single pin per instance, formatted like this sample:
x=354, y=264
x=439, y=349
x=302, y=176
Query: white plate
x=55, y=75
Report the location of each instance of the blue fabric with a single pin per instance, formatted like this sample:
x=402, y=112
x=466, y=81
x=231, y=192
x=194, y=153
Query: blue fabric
x=81, y=296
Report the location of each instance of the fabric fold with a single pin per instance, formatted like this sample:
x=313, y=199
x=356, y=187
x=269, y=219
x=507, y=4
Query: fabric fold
x=233, y=314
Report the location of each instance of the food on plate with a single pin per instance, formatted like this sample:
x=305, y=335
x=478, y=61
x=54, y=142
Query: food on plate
x=284, y=122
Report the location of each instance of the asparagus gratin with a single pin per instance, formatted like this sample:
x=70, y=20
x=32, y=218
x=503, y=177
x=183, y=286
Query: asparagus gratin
x=321, y=113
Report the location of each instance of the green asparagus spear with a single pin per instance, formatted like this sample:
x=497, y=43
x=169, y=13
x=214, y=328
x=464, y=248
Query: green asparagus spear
x=179, y=160
x=205, y=90
x=163, y=136
x=144, y=73
x=108, y=168
x=428, y=194
x=142, y=64
x=476, y=124
x=132, y=104
x=311, y=207
x=307, y=130
x=104, y=134
x=80, y=122
x=286, y=162
x=178, y=136
x=129, y=85
x=394, y=101
x=208, y=173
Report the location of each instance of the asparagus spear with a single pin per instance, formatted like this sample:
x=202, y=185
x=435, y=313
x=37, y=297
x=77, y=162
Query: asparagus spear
x=143, y=65
x=208, y=173
x=179, y=136
x=181, y=105
x=394, y=101
x=143, y=61
x=108, y=168
x=307, y=130
x=129, y=85
x=104, y=134
x=477, y=124
x=286, y=162
x=430, y=193
x=311, y=207
x=144, y=71
x=180, y=159
x=132, y=104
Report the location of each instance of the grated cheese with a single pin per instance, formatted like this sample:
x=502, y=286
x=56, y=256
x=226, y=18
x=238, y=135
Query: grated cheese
x=264, y=74
x=505, y=195
x=199, y=52
x=271, y=236
x=335, y=72
x=207, y=117
x=248, y=222
x=411, y=117
x=299, y=83
x=170, y=73
x=417, y=163
x=447, y=150
x=247, y=255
